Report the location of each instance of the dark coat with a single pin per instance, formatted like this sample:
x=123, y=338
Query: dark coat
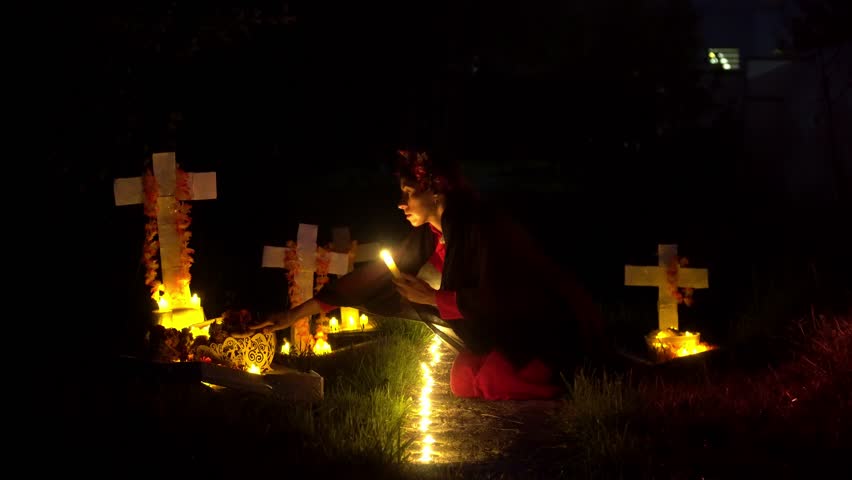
x=512, y=296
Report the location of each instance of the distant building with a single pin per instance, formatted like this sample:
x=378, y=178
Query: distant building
x=795, y=112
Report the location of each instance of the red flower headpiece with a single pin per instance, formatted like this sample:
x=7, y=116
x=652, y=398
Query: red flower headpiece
x=420, y=168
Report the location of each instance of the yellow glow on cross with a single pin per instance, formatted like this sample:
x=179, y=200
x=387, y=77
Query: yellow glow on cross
x=178, y=314
x=197, y=331
x=425, y=412
x=386, y=256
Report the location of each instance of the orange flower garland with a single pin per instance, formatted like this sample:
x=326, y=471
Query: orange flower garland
x=292, y=266
x=151, y=247
x=323, y=263
x=183, y=191
x=682, y=295
x=301, y=329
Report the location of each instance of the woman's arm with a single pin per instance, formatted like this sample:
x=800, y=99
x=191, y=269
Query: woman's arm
x=282, y=320
x=370, y=284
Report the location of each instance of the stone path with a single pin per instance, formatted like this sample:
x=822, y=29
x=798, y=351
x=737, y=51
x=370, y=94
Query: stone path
x=514, y=438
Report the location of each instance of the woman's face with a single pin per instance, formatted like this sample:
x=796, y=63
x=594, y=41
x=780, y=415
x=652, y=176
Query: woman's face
x=418, y=207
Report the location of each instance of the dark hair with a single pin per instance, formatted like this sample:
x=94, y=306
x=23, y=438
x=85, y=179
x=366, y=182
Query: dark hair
x=427, y=174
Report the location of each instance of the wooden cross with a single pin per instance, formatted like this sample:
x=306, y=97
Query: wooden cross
x=306, y=249
x=658, y=277
x=131, y=191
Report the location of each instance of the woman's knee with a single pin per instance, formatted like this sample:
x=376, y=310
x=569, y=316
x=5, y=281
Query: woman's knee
x=463, y=375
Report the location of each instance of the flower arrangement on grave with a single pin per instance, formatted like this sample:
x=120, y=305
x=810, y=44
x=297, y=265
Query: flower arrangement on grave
x=672, y=343
x=169, y=344
x=228, y=340
x=233, y=341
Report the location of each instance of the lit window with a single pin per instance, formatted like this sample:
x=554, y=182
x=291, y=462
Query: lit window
x=724, y=58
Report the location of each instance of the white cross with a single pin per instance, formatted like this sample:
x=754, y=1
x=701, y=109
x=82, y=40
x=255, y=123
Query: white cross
x=657, y=277
x=131, y=191
x=306, y=249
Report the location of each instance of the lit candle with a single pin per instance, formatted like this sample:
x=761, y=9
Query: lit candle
x=333, y=325
x=196, y=302
x=386, y=256
x=321, y=347
x=348, y=318
x=363, y=321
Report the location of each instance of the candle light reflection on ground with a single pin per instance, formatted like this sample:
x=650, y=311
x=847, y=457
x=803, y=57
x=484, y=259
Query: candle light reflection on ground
x=468, y=433
x=425, y=413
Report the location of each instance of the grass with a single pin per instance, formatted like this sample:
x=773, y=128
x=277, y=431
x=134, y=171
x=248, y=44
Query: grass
x=601, y=410
x=119, y=423
x=369, y=396
x=788, y=418
x=791, y=419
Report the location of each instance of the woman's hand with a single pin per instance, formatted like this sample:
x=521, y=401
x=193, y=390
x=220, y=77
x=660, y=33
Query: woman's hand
x=278, y=321
x=415, y=289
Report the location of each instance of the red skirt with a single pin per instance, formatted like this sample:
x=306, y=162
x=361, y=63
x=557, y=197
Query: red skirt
x=493, y=377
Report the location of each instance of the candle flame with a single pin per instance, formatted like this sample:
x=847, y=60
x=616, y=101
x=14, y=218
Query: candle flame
x=321, y=347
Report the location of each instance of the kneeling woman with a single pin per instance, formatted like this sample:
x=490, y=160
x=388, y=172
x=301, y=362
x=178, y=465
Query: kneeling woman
x=520, y=317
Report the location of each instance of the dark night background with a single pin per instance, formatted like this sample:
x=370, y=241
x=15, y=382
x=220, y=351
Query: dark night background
x=598, y=123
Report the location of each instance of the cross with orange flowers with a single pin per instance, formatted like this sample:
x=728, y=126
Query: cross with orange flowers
x=667, y=277
x=131, y=191
x=340, y=262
